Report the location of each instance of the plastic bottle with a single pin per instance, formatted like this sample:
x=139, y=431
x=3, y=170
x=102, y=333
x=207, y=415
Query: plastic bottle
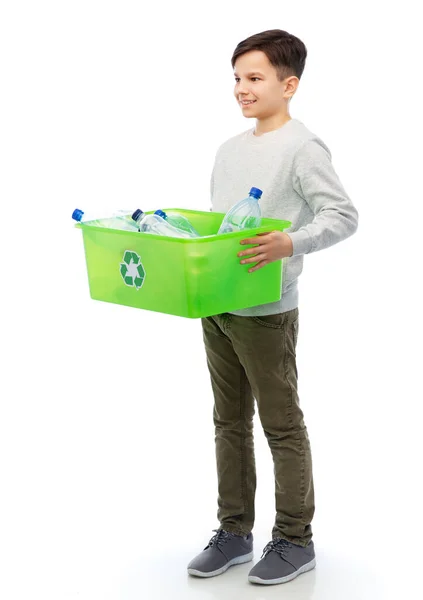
x=120, y=219
x=178, y=221
x=156, y=224
x=246, y=214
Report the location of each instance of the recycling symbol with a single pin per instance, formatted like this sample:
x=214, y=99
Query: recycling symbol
x=131, y=269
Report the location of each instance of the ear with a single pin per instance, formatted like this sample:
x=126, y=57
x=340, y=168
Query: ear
x=291, y=85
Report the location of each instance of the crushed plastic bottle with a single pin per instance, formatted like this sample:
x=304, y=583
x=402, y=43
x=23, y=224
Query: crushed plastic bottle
x=178, y=221
x=153, y=223
x=246, y=214
x=120, y=219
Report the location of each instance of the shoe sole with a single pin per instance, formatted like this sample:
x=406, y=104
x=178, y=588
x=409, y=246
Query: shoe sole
x=238, y=560
x=307, y=567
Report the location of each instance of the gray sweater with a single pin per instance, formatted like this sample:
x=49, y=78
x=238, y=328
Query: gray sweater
x=293, y=168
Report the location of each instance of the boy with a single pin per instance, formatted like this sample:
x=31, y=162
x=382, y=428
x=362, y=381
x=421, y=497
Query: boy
x=251, y=352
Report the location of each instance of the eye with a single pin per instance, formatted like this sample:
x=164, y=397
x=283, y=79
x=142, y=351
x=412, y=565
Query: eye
x=252, y=78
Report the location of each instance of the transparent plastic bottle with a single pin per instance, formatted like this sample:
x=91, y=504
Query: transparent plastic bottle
x=120, y=219
x=178, y=221
x=246, y=214
x=156, y=224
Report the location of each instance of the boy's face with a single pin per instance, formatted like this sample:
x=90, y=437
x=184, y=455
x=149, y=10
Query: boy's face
x=256, y=80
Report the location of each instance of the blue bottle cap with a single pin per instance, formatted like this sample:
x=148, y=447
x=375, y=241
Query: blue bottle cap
x=161, y=213
x=256, y=193
x=137, y=214
x=77, y=214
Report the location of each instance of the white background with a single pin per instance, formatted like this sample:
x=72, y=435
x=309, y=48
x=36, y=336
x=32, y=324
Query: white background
x=108, y=484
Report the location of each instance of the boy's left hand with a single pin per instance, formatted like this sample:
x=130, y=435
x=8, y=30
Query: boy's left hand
x=271, y=246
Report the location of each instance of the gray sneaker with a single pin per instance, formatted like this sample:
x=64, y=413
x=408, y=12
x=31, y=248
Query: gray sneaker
x=282, y=561
x=223, y=550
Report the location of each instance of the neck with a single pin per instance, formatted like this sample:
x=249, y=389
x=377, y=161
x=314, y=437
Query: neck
x=271, y=123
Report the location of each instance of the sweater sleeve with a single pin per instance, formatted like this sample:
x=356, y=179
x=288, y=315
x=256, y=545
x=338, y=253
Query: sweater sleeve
x=316, y=181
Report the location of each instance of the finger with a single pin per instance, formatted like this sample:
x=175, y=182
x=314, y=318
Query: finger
x=254, y=240
x=253, y=259
x=261, y=246
x=249, y=251
x=260, y=265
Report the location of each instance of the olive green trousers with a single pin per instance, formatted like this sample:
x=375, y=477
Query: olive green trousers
x=254, y=358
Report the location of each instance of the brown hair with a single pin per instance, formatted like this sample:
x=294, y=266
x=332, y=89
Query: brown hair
x=285, y=52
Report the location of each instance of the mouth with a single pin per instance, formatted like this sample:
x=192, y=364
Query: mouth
x=247, y=103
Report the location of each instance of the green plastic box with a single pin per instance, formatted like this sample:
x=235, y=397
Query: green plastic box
x=190, y=278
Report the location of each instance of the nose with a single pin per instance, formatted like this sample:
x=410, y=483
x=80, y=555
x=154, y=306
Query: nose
x=240, y=89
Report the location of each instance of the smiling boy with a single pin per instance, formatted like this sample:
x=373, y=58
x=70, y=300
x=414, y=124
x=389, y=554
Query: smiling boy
x=251, y=353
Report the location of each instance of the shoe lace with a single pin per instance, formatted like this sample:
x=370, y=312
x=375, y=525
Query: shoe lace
x=278, y=545
x=220, y=538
